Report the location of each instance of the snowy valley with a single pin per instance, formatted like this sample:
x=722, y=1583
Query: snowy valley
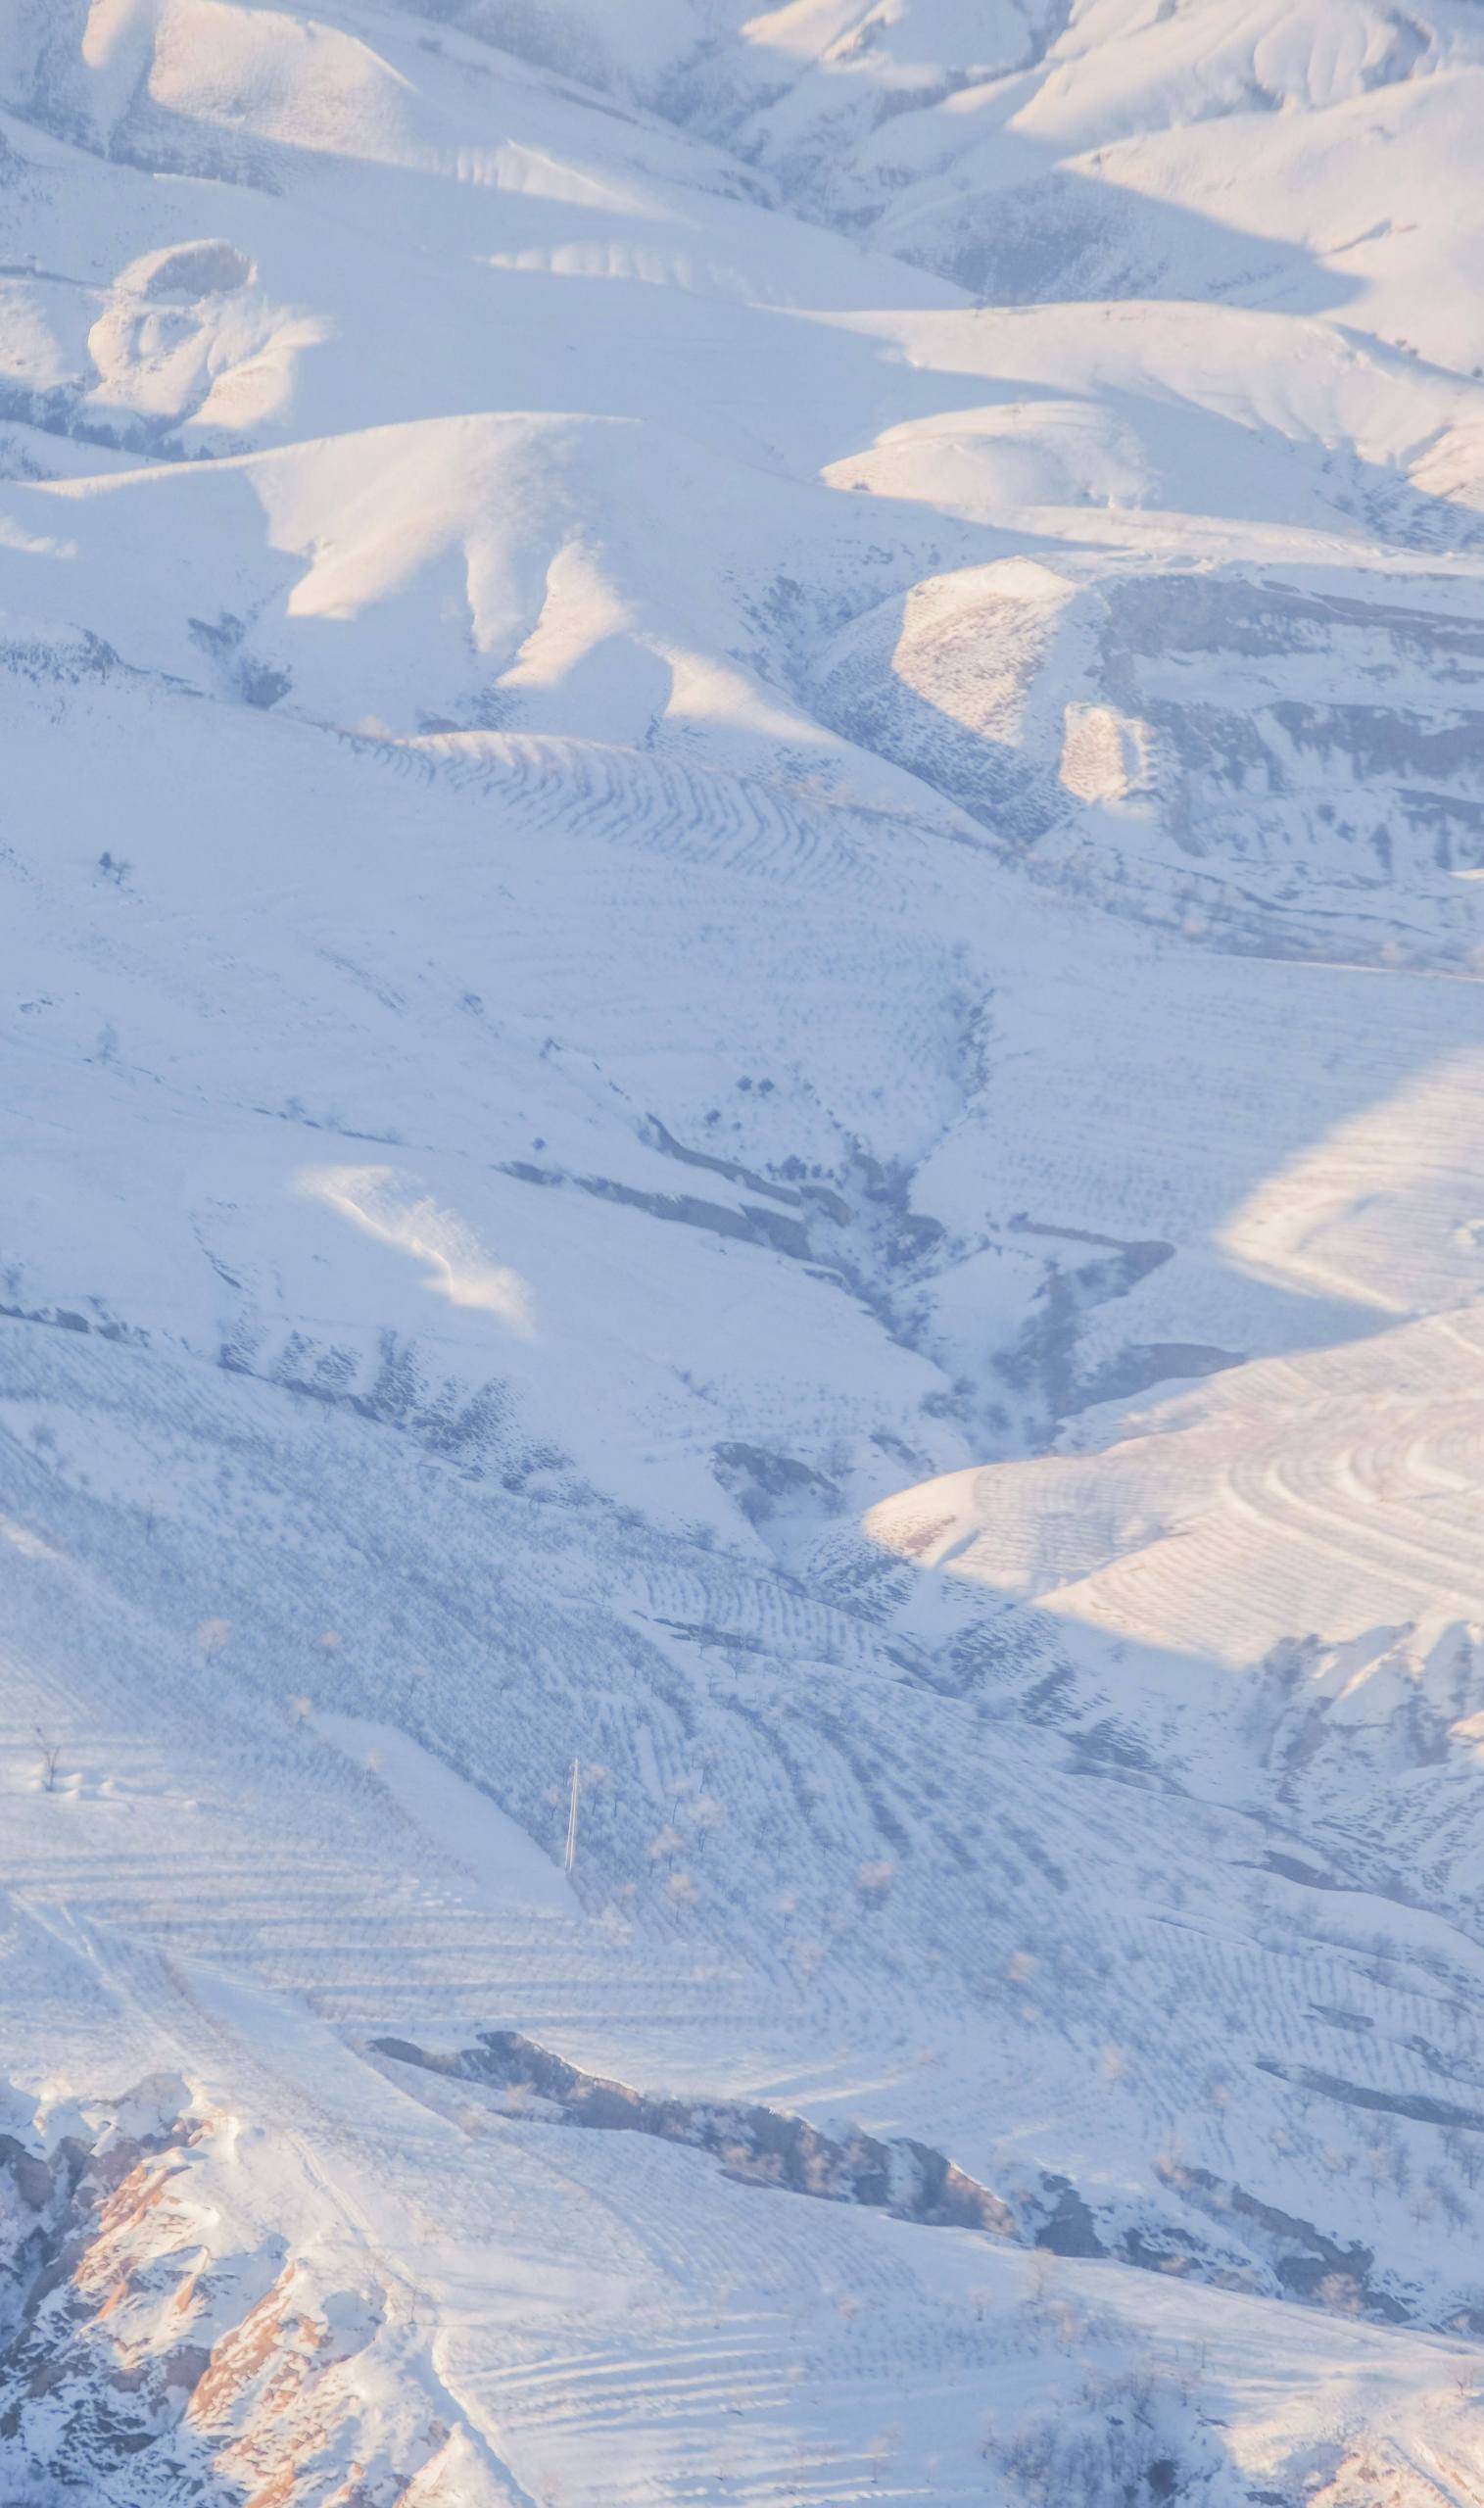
x=742, y=823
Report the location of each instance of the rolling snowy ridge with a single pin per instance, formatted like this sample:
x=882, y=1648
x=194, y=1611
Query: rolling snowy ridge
x=741, y=824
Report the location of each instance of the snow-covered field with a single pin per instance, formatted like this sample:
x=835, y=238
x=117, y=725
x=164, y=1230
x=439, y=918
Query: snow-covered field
x=741, y=822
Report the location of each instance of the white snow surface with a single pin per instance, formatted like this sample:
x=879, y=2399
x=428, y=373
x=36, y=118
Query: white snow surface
x=741, y=895
x=454, y=1818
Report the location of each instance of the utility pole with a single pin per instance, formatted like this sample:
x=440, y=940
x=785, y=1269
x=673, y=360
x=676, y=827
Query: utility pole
x=570, y=1857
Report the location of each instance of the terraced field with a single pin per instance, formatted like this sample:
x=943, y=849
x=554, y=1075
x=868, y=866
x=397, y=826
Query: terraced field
x=739, y=839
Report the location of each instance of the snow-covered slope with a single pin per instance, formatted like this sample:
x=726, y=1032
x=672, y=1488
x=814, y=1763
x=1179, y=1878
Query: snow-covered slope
x=741, y=814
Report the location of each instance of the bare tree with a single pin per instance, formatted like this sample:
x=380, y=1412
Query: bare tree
x=51, y=1752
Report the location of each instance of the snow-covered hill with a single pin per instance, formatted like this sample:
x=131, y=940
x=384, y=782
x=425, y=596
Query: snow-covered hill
x=741, y=814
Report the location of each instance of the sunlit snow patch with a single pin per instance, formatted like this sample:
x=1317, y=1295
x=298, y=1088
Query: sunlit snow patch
x=509, y=1867
x=458, y=1268
x=29, y=1544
